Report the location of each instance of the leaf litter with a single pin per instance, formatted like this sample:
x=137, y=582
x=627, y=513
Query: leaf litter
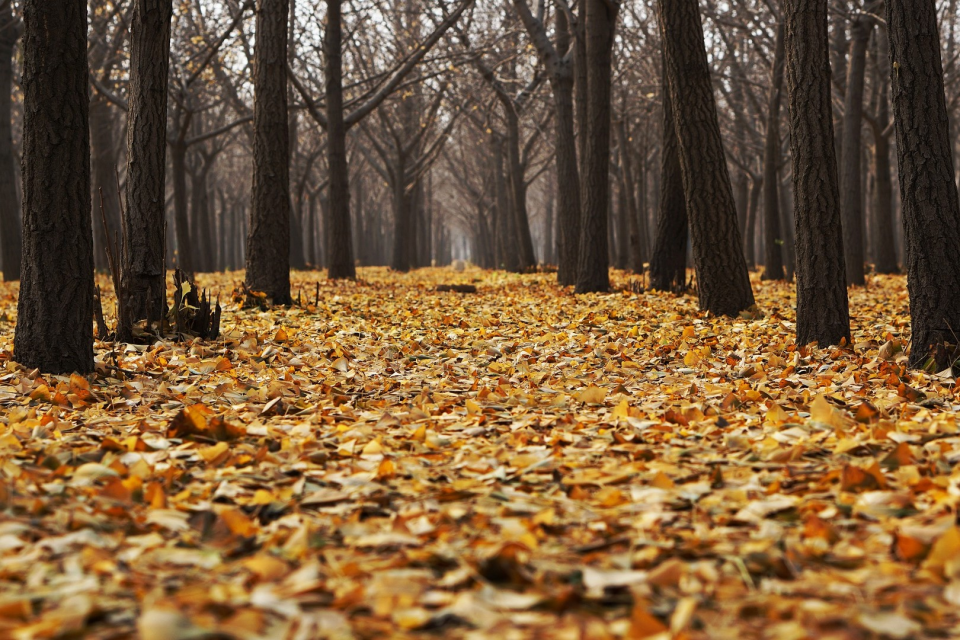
x=390, y=460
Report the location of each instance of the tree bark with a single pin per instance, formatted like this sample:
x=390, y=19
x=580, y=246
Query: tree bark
x=722, y=277
x=773, y=242
x=142, y=271
x=9, y=201
x=668, y=267
x=268, y=238
x=822, y=308
x=931, y=211
x=593, y=271
x=337, y=228
x=850, y=178
x=55, y=311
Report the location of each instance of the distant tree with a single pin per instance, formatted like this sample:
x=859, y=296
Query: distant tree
x=10, y=30
x=851, y=193
x=772, y=242
x=268, y=238
x=931, y=210
x=593, y=273
x=822, y=308
x=557, y=57
x=668, y=266
x=722, y=279
x=142, y=272
x=55, y=312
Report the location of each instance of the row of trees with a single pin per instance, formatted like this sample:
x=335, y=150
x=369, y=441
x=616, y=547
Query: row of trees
x=407, y=132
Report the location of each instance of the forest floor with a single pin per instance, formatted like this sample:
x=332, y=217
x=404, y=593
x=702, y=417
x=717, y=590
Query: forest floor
x=392, y=461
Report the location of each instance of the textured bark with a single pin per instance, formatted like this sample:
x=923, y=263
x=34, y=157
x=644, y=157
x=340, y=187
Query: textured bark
x=593, y=273
x=9, y=202
x=773, y=240
x=337, y=220
x=55, y=312
x=931, y=211
x=822, y=308
x=722, y=278
x=668, y=267
x=142, y=268
x=851, y=183
x=268, y=237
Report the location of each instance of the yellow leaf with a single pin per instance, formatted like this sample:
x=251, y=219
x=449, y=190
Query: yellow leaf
x=592, y=395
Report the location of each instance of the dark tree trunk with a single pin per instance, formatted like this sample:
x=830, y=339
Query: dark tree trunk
x=9, y=202
x=568, y=173
x=593, y=272
x=822, y=308
x=850, y=178
x=178, y=169
x=103, y=166
x=55, y=311
x=518, y=195
x=772, y=243
x=753, y=213
x=884, y=236
x=668, y=268
x=550, y=225
x=931, y=211
x=268, y=238
x=337, y=228
x=722, y=279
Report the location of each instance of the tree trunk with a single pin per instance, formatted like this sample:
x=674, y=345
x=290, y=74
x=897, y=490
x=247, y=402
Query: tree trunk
x=884, y=236
x=668, y=268
x=527, y=258
x=568, y=183
x=593, y=272
x=178, y=167
x=850, y=178
x=268, y=239
x=55, y=312
x=753, y=212
x=822, y=308
x=931, y=211
x=550, y=224
x=337, y=228
x=722, y=278
x=773, y=242
x=9, y=201
x=103, y=166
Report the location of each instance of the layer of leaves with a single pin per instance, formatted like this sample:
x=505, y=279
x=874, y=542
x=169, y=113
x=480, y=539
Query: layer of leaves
x=390, y=460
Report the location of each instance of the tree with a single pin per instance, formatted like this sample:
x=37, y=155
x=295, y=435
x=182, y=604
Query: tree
x=668, y=266
x=10, y=29
x=773, y=256
x=931, y=210
x=55, y=312
x=557, y=57
x=142, y=273
x=593, y=272
x=337, y=122
x=822, y=308
x=722, y=278
x=268, y=240
x=850, y=178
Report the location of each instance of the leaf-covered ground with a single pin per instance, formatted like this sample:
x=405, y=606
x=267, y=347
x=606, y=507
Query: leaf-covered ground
x=516, y=463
